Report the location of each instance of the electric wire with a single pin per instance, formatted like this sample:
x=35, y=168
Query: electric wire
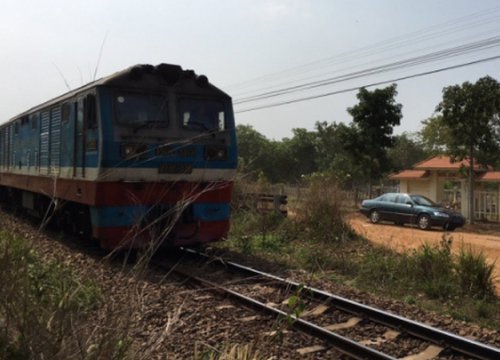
x=372, y=62
x=449, y=27
x=401, y=64
x=425, y=73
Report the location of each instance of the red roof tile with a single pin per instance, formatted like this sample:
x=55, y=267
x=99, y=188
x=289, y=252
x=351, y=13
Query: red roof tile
x=409, y=174
x=490, y=176
x=443, y=162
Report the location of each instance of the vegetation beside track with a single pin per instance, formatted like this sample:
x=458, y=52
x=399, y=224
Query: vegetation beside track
x=46, y=312
x=318, y=239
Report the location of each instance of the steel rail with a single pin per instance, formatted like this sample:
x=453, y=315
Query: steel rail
x=439, y=337
x=341, y=343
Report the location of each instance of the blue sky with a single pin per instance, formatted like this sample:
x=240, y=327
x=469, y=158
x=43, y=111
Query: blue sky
x=235, y=41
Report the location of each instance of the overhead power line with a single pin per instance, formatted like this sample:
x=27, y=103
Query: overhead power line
x=453, y=26
x=396, y=65
x=425, y=73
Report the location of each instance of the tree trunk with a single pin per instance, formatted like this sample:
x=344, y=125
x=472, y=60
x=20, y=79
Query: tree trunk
x=471, y=186
x=370, y=187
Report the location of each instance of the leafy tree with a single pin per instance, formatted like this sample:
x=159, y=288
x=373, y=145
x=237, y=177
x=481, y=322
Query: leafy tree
x=374, y=118
x=334, y=155
x=435, y=135
x=471, y=113
x=254, y=149
x=278, y=161
x=407, y=151
x=301, y=154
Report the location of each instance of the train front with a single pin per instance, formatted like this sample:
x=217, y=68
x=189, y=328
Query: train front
x=168, y=159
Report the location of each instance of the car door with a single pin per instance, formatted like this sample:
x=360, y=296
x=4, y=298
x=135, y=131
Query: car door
x=404, y=209
x=387, y=207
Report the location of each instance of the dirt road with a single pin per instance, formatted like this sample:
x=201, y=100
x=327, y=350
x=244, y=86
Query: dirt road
x=485, y=238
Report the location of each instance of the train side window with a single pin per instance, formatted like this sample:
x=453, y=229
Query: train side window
x=65, y=112
x=34, y=121
x=90, y=111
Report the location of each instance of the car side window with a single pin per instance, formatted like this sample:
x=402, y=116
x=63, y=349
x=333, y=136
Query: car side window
x=390, y=198
x=402, y=199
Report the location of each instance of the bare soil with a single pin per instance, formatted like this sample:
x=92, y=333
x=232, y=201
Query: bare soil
x=480, y=237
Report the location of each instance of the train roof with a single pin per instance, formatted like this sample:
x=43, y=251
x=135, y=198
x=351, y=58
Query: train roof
x=162, y=75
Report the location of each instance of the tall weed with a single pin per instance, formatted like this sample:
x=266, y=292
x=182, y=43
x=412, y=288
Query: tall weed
x=321, y=213
x=46, y=313
x=475, y=275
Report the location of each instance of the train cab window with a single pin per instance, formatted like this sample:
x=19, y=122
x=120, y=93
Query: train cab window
x=202, y=115
x=141, y=110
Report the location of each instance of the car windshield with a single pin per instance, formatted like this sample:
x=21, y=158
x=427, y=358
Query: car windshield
x=202, y=115
x=422, y=200
x=139, y=110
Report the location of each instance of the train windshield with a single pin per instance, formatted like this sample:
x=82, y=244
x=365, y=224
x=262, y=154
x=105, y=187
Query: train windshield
x=202, y=115
x=139, y=110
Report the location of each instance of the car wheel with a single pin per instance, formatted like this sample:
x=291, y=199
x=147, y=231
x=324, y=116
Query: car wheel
x=424, y=222
x=374, y=216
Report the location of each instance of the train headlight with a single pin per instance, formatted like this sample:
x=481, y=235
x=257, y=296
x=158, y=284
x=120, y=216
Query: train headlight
x=216, y=153
x=129, y=151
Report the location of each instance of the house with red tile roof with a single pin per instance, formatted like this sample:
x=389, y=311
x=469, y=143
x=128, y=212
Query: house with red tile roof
x=446, y=182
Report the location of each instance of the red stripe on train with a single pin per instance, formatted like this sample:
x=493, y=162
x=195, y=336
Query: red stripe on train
x=120, y=193
x=182, y=235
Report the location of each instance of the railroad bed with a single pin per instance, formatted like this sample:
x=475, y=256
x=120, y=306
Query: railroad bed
x=334, y=323
x=172, y=318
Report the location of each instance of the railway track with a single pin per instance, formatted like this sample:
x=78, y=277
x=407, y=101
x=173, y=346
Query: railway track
x=354, y=329
x=335, y=325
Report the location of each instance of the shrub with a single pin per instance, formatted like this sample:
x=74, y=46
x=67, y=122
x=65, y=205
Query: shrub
x=380, y=267
x=45, y=311
x=431, y=269
x=226, y=352
x=321, y=212
x=475, y=275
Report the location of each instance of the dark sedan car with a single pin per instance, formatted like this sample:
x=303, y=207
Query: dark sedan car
x=411, y=209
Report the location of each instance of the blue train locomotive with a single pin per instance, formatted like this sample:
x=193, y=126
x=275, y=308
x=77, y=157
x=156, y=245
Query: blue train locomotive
x=148, y=153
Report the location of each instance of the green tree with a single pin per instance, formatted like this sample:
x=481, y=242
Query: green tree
x=435, y=135
x=407, y=151
x=301, y=154
x=278, y=161
x=374, y=118
x=334, y=154
x=471, y=113
x=253, y=151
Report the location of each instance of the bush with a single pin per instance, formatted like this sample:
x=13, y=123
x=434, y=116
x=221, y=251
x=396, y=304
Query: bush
x=226, y=352
x=431, y=269
x=321, y=213
x=381, y=267
x=475, y=275
x=45, y=312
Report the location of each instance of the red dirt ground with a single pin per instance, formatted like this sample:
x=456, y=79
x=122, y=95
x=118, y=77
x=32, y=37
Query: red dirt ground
x=481, y=237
